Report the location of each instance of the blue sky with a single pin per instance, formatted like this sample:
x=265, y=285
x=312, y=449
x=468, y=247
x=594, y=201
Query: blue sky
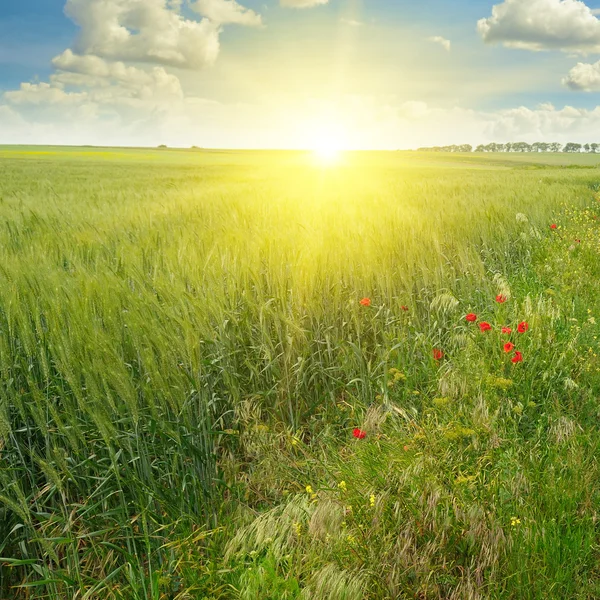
x=290, y=73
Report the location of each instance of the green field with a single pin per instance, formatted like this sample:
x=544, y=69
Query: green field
x=184, y=358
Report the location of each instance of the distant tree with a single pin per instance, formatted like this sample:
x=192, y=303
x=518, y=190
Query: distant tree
x=162, y=146
x=452, y=148
x=513, y=147
x=521, y=147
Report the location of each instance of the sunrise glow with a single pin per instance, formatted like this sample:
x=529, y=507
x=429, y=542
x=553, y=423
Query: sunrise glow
x=326, y=151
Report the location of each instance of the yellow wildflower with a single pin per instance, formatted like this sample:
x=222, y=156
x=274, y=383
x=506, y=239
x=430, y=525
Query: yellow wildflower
x=441, y=402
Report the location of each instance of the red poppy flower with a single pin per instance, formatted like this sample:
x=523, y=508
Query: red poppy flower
x=553, y=226
x=578, y=241
x=523, y=327
x=365, y=302
x=359, y=434
x=509, y=347
x=517, y=358
x=501, y=298
x=506, y=330
x=471, y=317
x=484, y=326
x=404, y=308
x=437, y=354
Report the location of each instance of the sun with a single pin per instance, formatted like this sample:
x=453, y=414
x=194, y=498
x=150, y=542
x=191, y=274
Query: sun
x=326, y=150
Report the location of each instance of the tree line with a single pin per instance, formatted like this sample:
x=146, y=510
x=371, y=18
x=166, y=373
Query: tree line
x=518, y=147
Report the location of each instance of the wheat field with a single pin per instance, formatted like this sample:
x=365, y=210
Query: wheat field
x=248, y=375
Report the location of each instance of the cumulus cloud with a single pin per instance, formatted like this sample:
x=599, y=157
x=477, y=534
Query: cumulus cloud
x=584, y=77
x=42, y=94
x=145, y=89
x=417, y=123
x=226, y=11
x=117, y=115
x=381, y=123
x=143, y=31
x=443, y=42
x=115, y=73
x=567, y=25
x=544, y=123
x=88, y=70
x=427, y=125
x=302, y=3
x=95, y=86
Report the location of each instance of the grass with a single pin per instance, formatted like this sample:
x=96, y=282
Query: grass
x=183, y=358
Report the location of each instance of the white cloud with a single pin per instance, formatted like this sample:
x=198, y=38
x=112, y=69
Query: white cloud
x=100, y=86
x=143, y=31
x=544, y=123
x=415, y=123
x=96, y=68
x=226, y=11
x=119, y=115
x=302, y=3
x=43, y=94
x=96, y=94
x=95, y=75
x=584, y=77
x=567, y=25
x=436, y=39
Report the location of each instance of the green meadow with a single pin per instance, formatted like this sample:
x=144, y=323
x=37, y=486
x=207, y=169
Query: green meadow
x=196, y=404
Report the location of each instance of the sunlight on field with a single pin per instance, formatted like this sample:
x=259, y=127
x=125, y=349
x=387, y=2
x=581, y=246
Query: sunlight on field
x=258, y=375
x=327, y=143
x=327, y=152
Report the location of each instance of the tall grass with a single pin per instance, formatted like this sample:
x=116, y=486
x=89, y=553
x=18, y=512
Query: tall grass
x=182, y=352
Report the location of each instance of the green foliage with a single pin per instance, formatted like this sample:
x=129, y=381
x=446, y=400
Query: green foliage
x=183, y=359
